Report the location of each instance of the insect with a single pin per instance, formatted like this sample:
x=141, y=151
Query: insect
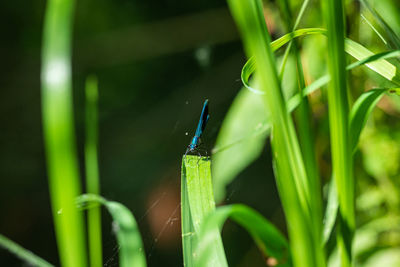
x=196, y=141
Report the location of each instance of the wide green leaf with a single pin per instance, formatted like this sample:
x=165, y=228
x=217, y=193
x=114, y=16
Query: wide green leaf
x=58, y=130
x=197, y=203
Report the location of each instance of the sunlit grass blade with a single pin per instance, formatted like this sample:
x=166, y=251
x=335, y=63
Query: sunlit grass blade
x=22, y=253
x=342, y=163
x=92, y=172
x=59, y=136
x=131, y=252
x=268, y=239
x=198, y=201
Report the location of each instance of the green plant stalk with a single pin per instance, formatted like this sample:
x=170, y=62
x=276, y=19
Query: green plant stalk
x=58, y=127
x=339, y=127
x=92, y=172
x=23, y=253
x=198, y=195
x=250, y=19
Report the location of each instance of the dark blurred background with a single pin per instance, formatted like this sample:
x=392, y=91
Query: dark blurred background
x=156, y=62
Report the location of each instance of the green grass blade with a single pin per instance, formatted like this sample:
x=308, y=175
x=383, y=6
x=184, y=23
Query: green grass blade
x=360, y=112
x=268, y=239
x=199, y=201
x=22, y=253
x=131, y=252
x=92, y=172
x=339, y=127
x=59, y=137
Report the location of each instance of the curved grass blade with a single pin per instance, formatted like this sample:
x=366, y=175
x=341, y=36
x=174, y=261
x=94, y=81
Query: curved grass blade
x=22, y=253
x=59, y=136
x=131, y=252
x=197, y=203
x=249, y=67
x=268, y=239
x=360, y=113
x=361, y=110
